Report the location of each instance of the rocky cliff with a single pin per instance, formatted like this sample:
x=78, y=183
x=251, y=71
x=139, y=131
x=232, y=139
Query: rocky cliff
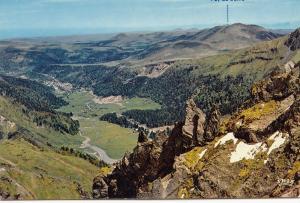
x=293, y=42
x=253, y=153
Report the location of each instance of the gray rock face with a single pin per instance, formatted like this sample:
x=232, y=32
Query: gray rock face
x=294, y=40
x=212, y=125
x=281, y=89
x=193, y=129
x=154, y=159
x=277, y=86
x=100, y=188
x=148, y=161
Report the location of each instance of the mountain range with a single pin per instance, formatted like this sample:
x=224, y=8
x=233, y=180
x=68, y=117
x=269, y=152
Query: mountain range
x=227, y=114
x=253, y=153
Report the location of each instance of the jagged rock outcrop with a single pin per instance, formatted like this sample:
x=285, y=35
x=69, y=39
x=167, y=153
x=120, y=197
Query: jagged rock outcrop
x=100, y=188
x=149, y=161
x=278, y=86
x=255, y=155
x=142, y=137
x=193, y=129
x=293, y=41
x=272, y=99
x=198, y=129
x=154, y=159
x=212, y=125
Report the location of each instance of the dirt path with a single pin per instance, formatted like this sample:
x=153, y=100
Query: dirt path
x=101, y=154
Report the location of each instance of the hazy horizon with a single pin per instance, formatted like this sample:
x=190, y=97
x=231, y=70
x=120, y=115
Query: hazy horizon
x=46, y=18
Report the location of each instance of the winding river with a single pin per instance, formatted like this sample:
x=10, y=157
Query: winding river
x=100, y=153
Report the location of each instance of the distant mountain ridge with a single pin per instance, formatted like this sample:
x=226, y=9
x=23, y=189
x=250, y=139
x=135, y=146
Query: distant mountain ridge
x=149, y=46
x=208, y=42
x=153, y=64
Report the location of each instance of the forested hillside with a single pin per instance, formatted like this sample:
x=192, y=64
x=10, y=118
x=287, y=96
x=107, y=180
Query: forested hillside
x=40, y=156
x=224, y=81
x=38, y=103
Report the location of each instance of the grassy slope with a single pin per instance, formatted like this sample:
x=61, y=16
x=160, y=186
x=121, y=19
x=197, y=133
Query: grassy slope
x=42, y=174
x=114, y=139
x=184, y=77
x=44, y=135
x=220, y=64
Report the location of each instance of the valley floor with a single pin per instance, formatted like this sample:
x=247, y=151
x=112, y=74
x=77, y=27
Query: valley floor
x=106, y=140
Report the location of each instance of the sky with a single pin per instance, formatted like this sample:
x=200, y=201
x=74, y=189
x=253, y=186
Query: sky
x=30, y=18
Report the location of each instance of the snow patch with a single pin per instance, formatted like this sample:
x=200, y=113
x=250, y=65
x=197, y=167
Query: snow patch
x=246, y=151
x=279, y=139
x=272, y=137
x=249, y=151
x=202, y=153
x=227, y=137
x=239, y=123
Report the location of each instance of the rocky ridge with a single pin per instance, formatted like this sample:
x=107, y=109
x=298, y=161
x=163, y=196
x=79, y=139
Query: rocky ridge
x=154, y=159
x=253, y=154
x=293, y=41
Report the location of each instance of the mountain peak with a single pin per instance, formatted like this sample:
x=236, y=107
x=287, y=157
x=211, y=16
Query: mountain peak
x=244, y=25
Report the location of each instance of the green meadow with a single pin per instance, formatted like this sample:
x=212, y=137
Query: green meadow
x=115, y=140
x=41, y=173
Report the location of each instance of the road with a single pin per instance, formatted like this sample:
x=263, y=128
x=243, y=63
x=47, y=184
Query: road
x=100, y=153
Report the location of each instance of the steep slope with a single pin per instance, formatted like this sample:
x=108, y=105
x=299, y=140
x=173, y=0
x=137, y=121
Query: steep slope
x=37, y=102
x=30, y=172
x=252, y=154
x=38, y=159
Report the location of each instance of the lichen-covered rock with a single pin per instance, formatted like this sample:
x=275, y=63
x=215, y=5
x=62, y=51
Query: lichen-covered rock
x=259, y=156
x=272, y=100
x=261, y=119
x=277, y=86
